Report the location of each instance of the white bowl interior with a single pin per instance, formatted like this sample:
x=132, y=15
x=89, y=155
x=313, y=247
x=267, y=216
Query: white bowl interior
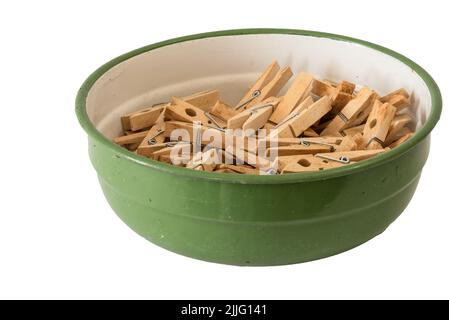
x=232, y=63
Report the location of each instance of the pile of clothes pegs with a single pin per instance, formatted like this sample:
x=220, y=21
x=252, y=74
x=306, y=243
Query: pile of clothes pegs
x=314, y=125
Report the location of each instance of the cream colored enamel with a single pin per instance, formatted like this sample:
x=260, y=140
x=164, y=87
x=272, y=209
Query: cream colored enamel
x=232, y=63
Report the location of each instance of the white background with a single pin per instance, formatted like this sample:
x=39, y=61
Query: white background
x=60, y=239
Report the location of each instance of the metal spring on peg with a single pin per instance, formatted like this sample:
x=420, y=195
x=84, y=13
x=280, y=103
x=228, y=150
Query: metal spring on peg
x=343, y=117
x=377, y=140
x=255, y=94
x=291, y=116
x=212, y=119
x=152, y=140
x=175, y=143
x=342, y=159
x=254, y=109
x=306, y=142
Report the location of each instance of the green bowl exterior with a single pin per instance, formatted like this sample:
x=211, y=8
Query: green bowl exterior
x=258, y=220
x=258, y=224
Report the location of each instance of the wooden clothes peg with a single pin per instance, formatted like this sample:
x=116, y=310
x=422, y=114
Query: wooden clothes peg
x=149, y=149
x=259, y=117
x=268, y=126
x=396, y=130
x=339, y=101
x=346, y=87
x=350, y=143
x=188, y=127
x=399, y=134
x=210, y=135
x=340, y=94
x=154, y=136
x=298, y=91
x=271, y=89
x=322, y=88
x=305, y=163
x=143, y=118
x=183, y=111
x=328, y=142
x=321, y=161
x=306, y=103
x=362, y=100
x=147, y=117
x=269, y=73
x=131, y=138
x=400, y=92
x=286, y=141
x=204, y=100
x=363, y=115
x=354, y=130
x=401, y=140
x=168, y=148
x=254, y=117
x=253, y=159
x=215, y=121
x=400, y=99
x=223, y=111
x=239, y=169
x=378, y=124
x=296, y=123
x=310, y=133
x=297, y=150
x=400, y=103
x=330, y=82
x=351, y=156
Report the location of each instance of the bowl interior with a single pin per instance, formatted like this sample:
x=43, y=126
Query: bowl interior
x=231, y=63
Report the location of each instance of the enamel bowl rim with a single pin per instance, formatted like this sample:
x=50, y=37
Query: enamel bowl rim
x=422, y=133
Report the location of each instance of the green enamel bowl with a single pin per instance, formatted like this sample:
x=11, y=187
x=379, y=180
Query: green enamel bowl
x=253, y=220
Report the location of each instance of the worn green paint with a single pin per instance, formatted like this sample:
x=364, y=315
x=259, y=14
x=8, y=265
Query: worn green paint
x=258, y=220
